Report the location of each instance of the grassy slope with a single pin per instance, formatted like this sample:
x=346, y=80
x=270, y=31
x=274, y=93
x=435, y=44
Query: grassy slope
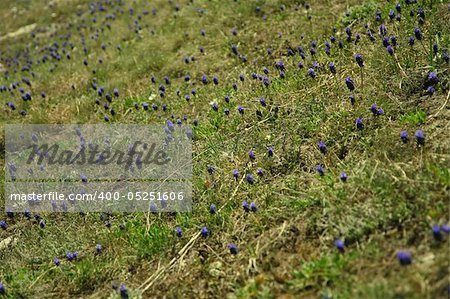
x=394, y=194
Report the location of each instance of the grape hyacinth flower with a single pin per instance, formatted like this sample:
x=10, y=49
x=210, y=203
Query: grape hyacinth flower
x=245, y=206
x=260, y=172
x=350, y=84
x=178, y=231
x=233, y=248
x=436, y=232
x=411, y=40
x=123, y=291
x=2, y=289
x=320, y=170
x=420, y=137
x=262, y=101
x=235, y=174
x=359, y=123
x=322, y=147
x=3, y=224
x=249, y=179
x=56, y=261
x=212, y=209
x=418, y=33
x=332, y=67
x=251, y=155
x=390, y=50
x=404, y=257
x=204, y=79
x=311, y=73
x=204, y=231
x=253, y=207
x=359, y=60
x=343, y=176
x=340, y=245
x=432, y=78
x=98, y=248
x=445, y=228
x=404, y=136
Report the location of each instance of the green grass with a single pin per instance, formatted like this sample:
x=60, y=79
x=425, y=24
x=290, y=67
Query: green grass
x=395, y=192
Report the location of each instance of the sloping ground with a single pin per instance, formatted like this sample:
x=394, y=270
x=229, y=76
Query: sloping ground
x=394, y=194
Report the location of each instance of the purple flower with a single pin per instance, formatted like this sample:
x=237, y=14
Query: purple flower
x=311, y=73
x=234, y=49
x=350, y=84
x=404, y=257
x=320, y=170
x=445, y=228
x=123, y=291
x=178, y=231
x=390, y=50
x=251, y=155
x=420, y=137
x=116, y=92
x=359, y=123
x=322, y=147
x=204, y=79
x=262, y=101
x=253, y=207
x=270, y=152
x=204, y=231
x=398, y=7
x=394, y=40
x=227, y=98
x=236, y=174
x=245, y=206
x=260, y=171
x=241, y=109
x=56, y=261
x=42, y=223
x=404, y=136
x=226, y=111
x=332, y=67
x=343, y=176
x=234, y=85
x=436, y=229
x=70, y=256
x=280, y=65
x=212, y=209
x=2, y=289
x=233, y=248
x=3, y=224
x=215, y=80
x=383, y=30
x=249, y=178
x=98, y=248
x=340, y=245
x=445, y=57
x=432, y=78
x=418, y=33
x=215, y=106
x=430, y=90
x=391, y=14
